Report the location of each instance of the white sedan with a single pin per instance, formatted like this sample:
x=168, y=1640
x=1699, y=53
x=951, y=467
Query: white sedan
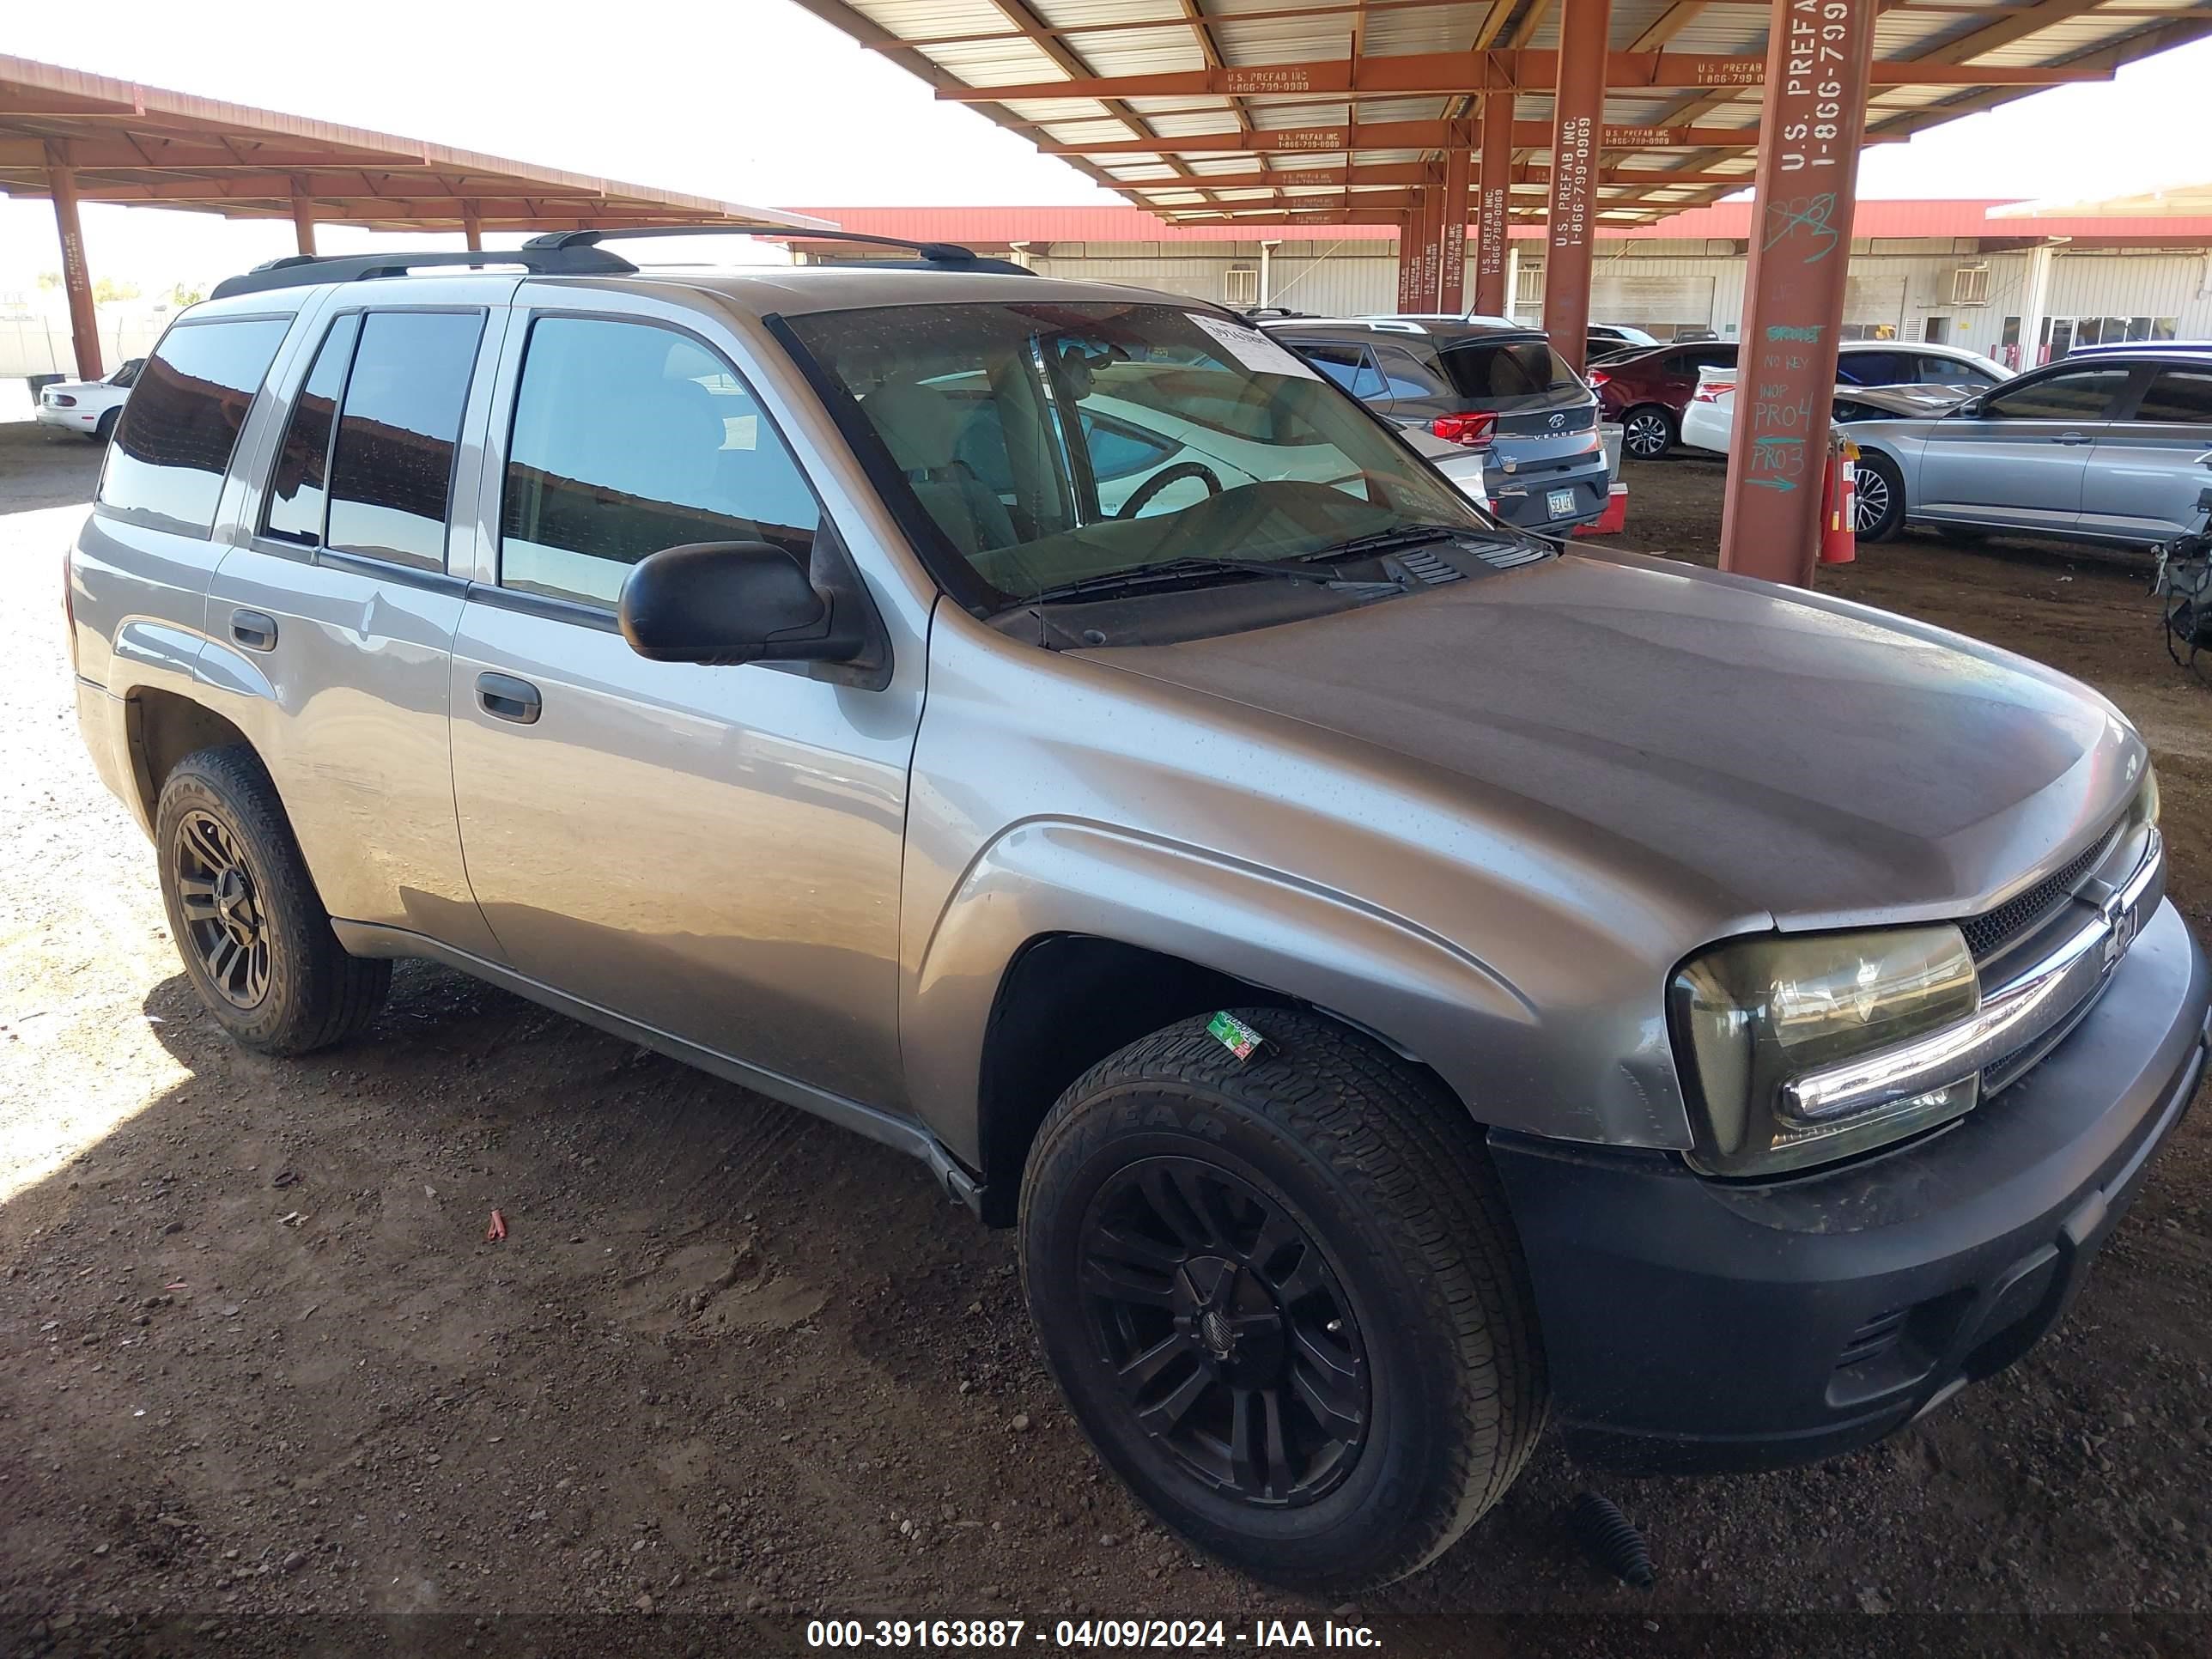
x=1709, y=418
x=91, y=407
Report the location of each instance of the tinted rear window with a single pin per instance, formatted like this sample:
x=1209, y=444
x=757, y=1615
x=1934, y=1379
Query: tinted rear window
x=392, y=469
x=173, y=445
x=1506, y=368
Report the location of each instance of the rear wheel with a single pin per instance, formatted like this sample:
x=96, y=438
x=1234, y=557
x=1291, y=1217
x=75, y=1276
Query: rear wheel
x=1283, y=1298
x=255, y=941
x=1880, y=495
x=105, y=429
x=1647, y=432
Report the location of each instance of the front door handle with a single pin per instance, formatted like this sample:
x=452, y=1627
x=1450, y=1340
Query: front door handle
x=2071, y=438
x=256, y=630
x=507, y=698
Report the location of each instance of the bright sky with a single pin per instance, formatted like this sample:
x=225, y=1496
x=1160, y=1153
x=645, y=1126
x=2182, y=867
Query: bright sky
x=757, y=101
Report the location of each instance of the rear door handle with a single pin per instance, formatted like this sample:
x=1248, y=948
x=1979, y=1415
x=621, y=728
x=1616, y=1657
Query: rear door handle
x=254, y=629
x=507, y=698
x=2071, y=438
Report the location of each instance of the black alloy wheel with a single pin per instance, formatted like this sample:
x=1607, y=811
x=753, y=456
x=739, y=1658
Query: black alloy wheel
x=1646, y=433
x=224, y=923
x=1225, y=1329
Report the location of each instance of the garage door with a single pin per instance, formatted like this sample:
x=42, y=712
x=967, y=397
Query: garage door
x=1640, y=301
x=1872, y=305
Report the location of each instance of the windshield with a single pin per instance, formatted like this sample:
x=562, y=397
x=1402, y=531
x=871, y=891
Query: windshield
x=1044, y=444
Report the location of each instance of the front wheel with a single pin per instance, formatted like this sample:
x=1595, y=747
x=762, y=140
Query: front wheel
x=1647, y=432
x=1283, y=1298
x=1880, y=494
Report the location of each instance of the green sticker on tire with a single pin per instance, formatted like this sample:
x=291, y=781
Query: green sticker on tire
x=1234, y=1034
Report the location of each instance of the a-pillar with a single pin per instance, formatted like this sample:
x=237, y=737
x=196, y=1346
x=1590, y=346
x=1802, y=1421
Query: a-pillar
x=1812, y=123
x=1571, y=225
x=1492, y=217
x=76, y=276
x=1451, y=247
x=303, y=219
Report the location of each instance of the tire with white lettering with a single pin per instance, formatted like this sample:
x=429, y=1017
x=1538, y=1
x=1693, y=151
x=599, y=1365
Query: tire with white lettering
x=1284, y=1298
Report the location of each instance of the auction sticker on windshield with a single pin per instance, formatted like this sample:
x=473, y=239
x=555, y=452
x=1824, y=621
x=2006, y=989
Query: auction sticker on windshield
x=1253, y=349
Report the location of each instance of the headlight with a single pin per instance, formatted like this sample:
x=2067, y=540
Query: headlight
x=2145, y=811
x=1757, y=1014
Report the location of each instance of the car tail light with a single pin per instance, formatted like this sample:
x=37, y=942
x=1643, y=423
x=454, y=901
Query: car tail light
x=1472, y=429
x=59, y=401
x=1711, y=391
x=1597, y=378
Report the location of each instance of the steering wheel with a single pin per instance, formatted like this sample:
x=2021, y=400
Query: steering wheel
x=1141, y=496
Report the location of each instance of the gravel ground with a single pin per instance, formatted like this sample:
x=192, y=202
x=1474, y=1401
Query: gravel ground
x=267, y=1386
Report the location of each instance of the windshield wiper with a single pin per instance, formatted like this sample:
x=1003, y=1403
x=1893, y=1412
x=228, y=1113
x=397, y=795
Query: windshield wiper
x=1412, y=535
x=1173, y=570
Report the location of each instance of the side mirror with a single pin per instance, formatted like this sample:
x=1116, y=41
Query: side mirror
x=1971, y=409
x=732, y=602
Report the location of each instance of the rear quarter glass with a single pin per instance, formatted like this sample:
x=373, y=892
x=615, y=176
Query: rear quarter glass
x=165, y=469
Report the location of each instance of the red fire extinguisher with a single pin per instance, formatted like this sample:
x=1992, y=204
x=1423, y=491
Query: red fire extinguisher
x=1839, y=504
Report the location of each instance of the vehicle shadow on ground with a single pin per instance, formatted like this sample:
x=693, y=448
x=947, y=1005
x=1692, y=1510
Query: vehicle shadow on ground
x=726, y=1359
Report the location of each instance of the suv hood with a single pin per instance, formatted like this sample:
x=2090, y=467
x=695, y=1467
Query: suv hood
x=1753, y=747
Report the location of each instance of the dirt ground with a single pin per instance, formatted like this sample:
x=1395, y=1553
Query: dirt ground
x=266, y=1387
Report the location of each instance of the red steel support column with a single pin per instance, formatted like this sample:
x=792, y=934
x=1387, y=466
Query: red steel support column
x=1424, y=274
x=76, y=279
x=303, y=219
x=1492, y=218
x=1811, y=126
x=1570, y=226
x=1409, y=224
x=1451, y=247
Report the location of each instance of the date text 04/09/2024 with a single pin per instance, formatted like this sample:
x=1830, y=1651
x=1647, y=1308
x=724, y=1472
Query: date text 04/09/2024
x=1078, y=1634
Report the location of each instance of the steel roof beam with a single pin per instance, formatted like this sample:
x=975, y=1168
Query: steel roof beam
x=1449, y=73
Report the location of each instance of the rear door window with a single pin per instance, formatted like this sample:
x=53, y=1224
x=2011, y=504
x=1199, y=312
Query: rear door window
x=296, y=493
x=391, y=468
x=2074, y=394
x=165, y=467
x=2179, y=397
x=1873, y=368
x=1949, y=371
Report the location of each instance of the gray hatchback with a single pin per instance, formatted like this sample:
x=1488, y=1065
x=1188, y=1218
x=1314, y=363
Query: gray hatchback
x=1488, y=386
x=2105, y=448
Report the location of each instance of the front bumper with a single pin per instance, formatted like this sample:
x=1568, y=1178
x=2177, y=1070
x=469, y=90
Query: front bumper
x=1698, y=1324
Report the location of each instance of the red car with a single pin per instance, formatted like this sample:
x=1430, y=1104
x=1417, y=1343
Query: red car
x=1647, y=391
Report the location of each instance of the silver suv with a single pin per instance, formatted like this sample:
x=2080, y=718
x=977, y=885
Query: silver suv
x=1406, y=984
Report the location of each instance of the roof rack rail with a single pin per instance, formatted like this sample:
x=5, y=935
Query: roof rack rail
x=947, y=255
x=306, y=269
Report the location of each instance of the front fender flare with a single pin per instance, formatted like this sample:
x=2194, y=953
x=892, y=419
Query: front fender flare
x=1418, y=991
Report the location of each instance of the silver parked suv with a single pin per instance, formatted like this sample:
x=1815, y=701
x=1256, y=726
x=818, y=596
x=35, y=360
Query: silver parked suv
x=1405, y=983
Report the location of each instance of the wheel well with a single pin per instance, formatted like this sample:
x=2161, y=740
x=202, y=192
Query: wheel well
x=164, y=728
x=1067, y=1002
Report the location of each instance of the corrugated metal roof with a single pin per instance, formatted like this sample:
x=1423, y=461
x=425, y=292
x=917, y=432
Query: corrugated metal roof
x=971, y=45
x=996, y=227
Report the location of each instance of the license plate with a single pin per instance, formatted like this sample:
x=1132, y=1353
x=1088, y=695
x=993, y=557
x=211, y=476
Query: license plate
x=1560, y=502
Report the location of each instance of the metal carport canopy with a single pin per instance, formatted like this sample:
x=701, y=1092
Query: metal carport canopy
x=1282, y=111
x=78, y=138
